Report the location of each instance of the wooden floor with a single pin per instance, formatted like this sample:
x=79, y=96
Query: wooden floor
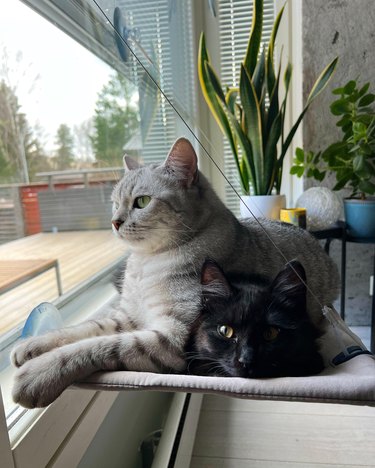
x=235, y=433
x=80, y=255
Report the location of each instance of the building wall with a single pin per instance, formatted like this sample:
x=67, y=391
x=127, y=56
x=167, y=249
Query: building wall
x=343, y=28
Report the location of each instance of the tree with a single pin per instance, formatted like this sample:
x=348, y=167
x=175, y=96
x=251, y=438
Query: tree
x=65, y=144
x=13, y=133
x=115, y=120
x=21, y=152
x=83, y=140
x=37, y=159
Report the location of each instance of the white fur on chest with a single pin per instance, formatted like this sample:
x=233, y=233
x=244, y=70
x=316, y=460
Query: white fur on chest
x=145, y=288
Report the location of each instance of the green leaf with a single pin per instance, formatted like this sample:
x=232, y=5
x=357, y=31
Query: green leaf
x=270, y=66
x=250, y=105
x=343, y=181
x=338, y=91
x=259, y=75
x=361, y=167
x=349, y=87
x=341, y=106
x=214, y=81
x=343, y=121
x=366, y=100
x=367, y=149
x=338, y=149
x=273, y=109
x=358, y=163
x=363, y=90
x=353, y=97
x=309, y=157
x=300, y=155
x=251, y=56
x=245, y=174
x=230, y=98
x=322, y=80
x=360, y=128
x=297, y=170
x=270, y=153
x=366, y=186
x=318, y=175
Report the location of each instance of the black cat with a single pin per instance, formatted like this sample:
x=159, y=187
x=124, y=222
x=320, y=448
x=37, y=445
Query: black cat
x=253, y=327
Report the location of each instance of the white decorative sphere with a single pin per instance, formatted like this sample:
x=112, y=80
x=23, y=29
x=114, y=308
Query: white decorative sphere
x=323, y=207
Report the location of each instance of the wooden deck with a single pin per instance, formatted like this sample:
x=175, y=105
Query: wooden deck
x=80, y=255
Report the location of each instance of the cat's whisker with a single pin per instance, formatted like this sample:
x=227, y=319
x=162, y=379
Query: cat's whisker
x=186, y=226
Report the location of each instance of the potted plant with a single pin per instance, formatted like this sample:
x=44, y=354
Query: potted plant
x=252, y=116
x=351, y=159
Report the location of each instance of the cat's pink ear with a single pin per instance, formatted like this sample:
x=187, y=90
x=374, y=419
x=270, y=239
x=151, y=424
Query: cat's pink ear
x=130, y=163
x=213, y=280
x=182, y=162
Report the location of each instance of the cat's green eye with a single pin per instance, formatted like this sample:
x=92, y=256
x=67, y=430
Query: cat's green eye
x=142, y=202
x=271, y=333
x=225, y=331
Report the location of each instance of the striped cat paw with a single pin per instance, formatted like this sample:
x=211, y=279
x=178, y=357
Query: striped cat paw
x=31, y=348
x=38, y=382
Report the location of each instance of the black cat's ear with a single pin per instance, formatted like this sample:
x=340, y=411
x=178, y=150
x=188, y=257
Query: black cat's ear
x=182, y=162
x=290, y=284
x=130, y=163
x=213, y=280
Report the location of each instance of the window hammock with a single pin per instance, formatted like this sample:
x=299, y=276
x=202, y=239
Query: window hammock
x=348, y=377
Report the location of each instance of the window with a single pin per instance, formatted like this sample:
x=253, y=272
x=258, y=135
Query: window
x=71, y=129
x=87, y=107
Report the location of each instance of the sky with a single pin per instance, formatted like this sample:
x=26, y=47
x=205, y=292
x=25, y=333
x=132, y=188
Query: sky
x=69, y=77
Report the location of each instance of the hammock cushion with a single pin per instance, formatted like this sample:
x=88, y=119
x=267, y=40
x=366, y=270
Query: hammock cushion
x=352, y=382
x=349, y=375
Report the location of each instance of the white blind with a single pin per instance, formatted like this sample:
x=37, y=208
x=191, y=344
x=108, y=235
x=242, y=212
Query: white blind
x=235, y=18
x=166, y=35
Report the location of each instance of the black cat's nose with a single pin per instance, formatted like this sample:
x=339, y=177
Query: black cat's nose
x=246, y=358
x=117, y=223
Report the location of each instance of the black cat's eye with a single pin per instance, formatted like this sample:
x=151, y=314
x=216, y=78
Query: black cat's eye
x=271, y=333
x=225, y=331
x=142, y=202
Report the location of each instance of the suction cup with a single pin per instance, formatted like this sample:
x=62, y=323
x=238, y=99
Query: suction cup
x=42, y=318
x=121, y=36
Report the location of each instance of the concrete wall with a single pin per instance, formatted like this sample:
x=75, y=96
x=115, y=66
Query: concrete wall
x=344, y=28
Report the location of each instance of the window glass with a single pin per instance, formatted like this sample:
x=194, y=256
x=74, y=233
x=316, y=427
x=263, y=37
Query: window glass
x=73, y=100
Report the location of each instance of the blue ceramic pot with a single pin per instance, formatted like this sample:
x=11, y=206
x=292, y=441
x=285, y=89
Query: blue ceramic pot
x=360, y=217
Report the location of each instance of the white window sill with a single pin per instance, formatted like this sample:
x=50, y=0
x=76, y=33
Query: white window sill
x=37, y=434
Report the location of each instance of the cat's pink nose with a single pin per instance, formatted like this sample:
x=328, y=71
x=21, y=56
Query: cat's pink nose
x=117, y=223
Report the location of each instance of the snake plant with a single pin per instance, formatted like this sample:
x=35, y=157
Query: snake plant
x=252, y=116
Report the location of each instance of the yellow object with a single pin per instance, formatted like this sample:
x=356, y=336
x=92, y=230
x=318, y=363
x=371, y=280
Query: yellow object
x=296, y=216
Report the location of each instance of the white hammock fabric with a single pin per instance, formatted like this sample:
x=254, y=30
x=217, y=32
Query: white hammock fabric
x=349, y=382
x=352, y=382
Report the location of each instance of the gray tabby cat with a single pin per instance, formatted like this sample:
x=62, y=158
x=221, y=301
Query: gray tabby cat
x=172, y=220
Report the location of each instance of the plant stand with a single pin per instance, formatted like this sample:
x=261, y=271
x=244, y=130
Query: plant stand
x=338, y=231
